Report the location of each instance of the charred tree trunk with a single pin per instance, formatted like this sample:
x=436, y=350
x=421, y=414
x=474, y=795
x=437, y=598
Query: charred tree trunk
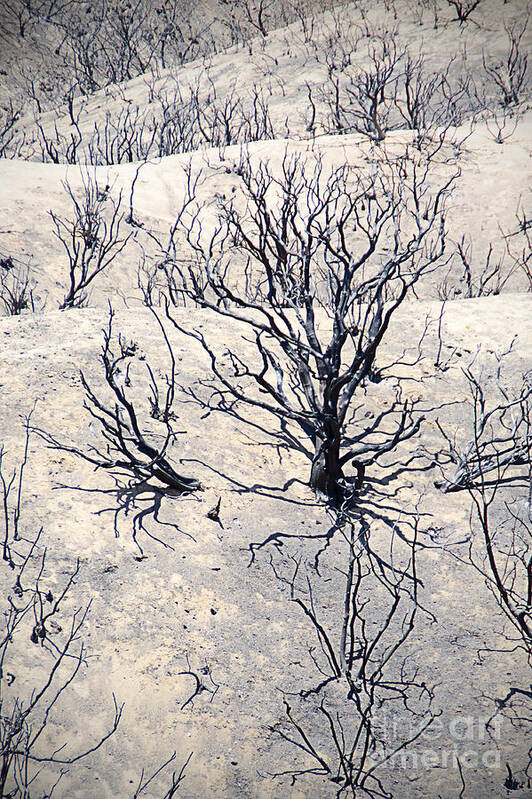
x=327, y=476
x=326, y=471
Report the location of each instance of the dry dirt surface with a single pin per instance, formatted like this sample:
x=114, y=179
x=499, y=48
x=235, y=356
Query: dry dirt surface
x=219, y=619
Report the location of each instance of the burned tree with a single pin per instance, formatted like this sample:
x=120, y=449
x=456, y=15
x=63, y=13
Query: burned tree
x=326, y=258
x=130, y=448
x=501, y=433
x=16, y=286
x=91, y=239
x=519, y=245
x=127, y=448
x=496, y=461
x=510, y=75
x=362, y=100
x=463, y=9
x=9, y=145
x=506, y=561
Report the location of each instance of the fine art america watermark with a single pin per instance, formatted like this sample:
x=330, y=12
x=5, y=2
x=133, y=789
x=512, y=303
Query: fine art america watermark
x=461, y=741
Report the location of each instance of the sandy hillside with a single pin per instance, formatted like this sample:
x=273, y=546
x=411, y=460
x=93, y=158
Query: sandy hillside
x=192, y=620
